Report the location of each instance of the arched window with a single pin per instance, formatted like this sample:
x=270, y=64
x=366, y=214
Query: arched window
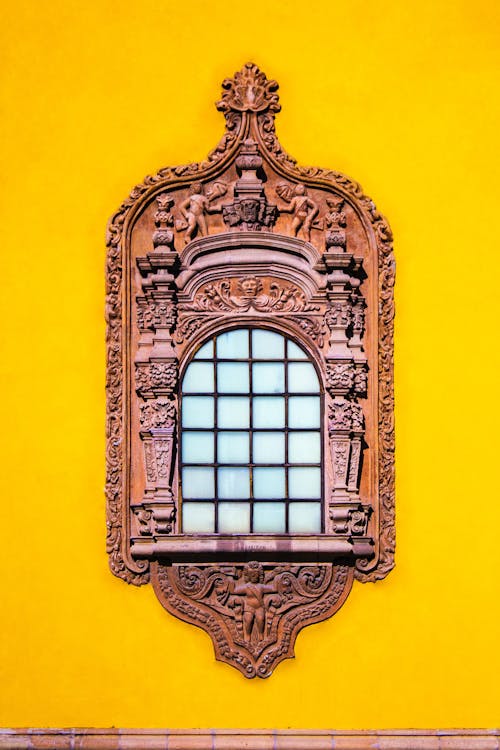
x=251, y=437
x=249, y=387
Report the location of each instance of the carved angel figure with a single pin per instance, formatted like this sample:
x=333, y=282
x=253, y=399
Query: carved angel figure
x=304, y=209
x=194, y=208
x=252, y=588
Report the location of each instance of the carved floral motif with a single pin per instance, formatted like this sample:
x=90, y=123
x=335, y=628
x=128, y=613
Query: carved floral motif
x=313, y=327
x=345, y=415
x=347, y=377
x=340, y=376
x=157, y=375
x=188, y=326
x=157, y=414
x=340, y=456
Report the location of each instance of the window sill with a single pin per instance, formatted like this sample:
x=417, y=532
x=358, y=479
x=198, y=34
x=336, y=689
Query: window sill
x=209, y=547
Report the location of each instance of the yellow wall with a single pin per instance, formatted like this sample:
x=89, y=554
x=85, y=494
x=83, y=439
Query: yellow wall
x=401, y=96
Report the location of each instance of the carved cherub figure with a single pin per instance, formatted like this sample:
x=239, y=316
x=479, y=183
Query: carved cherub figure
x=252, y=588
x=304, y=209
x=196, y=205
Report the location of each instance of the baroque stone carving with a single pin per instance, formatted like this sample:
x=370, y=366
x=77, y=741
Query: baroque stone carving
x=196, y=206
x=155, y=378
x=249, y=238
x=163, y=237
x=335, y=222
x=252, y=612
x=247, y=292
x=304, y=209
x=250, y=209
x=155, y=314
x=157, y=413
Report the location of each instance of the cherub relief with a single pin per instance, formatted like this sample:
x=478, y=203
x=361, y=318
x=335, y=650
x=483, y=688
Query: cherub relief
x=252, y=589
x=196, y=205
x=304, y=209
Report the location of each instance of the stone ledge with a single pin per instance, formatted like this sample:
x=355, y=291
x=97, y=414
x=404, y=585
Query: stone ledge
x=249, y=739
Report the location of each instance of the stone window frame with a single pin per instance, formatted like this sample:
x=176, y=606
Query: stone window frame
x=242, y=271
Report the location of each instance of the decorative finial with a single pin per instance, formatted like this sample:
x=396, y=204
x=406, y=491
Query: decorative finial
x=249, y=91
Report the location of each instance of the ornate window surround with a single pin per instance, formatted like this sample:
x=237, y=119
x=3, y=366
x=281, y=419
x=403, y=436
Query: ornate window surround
x=249, y=239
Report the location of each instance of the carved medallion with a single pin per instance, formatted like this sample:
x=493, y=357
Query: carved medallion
x=250, y=485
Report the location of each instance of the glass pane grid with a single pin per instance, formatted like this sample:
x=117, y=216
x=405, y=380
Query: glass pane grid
x=276, y=407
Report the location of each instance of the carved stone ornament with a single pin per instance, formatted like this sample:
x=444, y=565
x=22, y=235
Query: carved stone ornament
x=249, y=244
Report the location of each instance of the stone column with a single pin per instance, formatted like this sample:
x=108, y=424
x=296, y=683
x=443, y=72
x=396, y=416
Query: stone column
x=156, y=375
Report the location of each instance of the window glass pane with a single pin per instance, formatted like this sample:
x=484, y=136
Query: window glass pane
x=303, y=411
x=269, y=518
x=268, y=412
x=206, y=351
x=304, y=518
x=304, y=448
x=267, y=345
x=197, y=482
x=233, y=377
x=199, y=378
x=234, y=518
x=198, y=411
x=295, y=352
x=233, y=345
x=302, y=378
x=197, y=447
x=269, y=483
x=223, y=431
x=233, y=411
x=304, y=482
x=268, y=377
x=233, y=447
x=198, y=518
x=268, y=448
x=233, y=483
